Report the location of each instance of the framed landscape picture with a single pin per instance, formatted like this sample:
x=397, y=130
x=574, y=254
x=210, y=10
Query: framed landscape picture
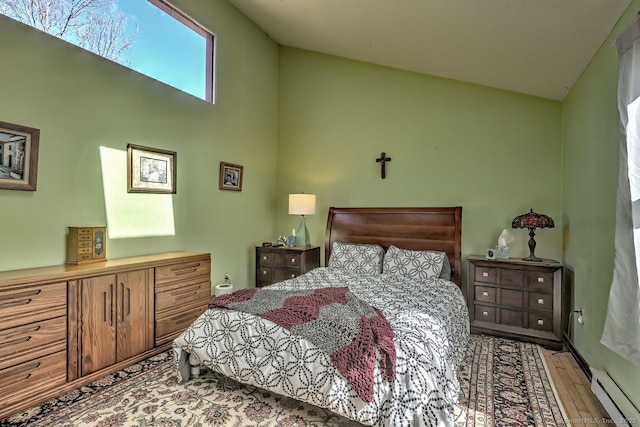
x=18, y=157
x=150, y=170
x=230, y=177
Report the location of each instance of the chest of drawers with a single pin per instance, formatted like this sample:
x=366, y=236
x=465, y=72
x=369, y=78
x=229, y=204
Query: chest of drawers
x=275, y=264
x=517, y=299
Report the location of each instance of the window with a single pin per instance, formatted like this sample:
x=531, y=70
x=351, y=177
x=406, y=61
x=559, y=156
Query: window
x=149, y=36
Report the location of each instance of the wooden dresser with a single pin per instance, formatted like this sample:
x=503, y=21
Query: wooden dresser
x=65, y=326
x=278, y=263
x=516, y=299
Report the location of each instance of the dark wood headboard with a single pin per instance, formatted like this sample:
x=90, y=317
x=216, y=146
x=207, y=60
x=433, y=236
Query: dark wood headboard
x=438, y=229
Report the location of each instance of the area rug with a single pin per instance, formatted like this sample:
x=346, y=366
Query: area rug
x=503, y=383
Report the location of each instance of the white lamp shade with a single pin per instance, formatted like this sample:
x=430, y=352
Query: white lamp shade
x=302, y=204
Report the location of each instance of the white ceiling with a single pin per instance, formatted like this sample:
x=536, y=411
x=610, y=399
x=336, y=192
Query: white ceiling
x=536, y=47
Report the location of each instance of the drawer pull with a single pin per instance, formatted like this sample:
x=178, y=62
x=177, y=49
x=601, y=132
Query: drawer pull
x=485, y=294
x=485, y=274
x=264, y=257
x=293, y=275
x=15, y=300
x=265, y=272
x=485, y=313
x=540, y=322
x=540, y=279
x=540, y=301
x=293, y=260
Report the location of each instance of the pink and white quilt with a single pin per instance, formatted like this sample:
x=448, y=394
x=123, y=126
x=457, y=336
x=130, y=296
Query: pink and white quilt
x=430, y=322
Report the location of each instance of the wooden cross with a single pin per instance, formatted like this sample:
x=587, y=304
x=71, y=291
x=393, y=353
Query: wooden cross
x=383, y=167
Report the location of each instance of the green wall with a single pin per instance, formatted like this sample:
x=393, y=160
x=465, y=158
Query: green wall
x=80, y=102
x=590, y=181
x=493, y=152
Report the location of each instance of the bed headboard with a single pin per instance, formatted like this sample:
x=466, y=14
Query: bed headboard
x=438, y=229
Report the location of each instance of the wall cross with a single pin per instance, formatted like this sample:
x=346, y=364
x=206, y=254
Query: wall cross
x=383, y=167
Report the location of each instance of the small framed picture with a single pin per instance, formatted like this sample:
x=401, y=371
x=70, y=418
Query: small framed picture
x=230, y=176
x=150, y=170
x=18, y=157
x=490, y=254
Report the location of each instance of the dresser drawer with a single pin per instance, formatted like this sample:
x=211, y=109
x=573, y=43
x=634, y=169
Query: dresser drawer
x=20, y=342
x=43, y=372
x=182, y=271
x=540, y=301
x=181, y=295
x=33, y=303
x=284, y=274
x=172, y=324
x=487, y=274
x=485, y=294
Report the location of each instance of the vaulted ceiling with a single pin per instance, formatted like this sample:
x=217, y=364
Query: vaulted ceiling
x=536, y=47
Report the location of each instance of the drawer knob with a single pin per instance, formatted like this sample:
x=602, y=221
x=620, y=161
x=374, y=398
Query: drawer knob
x=264, y=257
x=293, y=275
x=485, y=274
x=485, y=313
x=485, y=294
x=540, y=279
x=540, y=301
x=293, y=260
x=540, y=322
x=264, y=271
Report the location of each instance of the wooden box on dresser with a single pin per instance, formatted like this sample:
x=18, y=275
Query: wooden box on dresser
x=517, y=299
x=65, y=326
x=278, y=263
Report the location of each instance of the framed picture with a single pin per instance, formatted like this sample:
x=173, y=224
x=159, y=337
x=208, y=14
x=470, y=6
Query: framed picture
x=150, y=170
x=230, y=177
x=18, y=157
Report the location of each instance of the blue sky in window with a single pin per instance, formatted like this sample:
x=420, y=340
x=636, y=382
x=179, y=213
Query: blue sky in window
x=166, y=49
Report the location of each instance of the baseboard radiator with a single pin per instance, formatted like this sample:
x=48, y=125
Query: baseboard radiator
x=616, y=403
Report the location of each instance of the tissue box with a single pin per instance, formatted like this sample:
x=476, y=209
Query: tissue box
x=502, y=252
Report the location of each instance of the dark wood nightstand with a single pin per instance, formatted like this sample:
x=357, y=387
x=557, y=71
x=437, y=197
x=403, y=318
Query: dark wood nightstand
x=516, y=299
x=278, y=263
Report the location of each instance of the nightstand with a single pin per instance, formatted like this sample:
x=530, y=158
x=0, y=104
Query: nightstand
x=516, y=299
x=278, y=263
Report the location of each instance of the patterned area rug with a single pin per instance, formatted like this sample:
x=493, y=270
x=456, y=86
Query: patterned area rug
x=504, y=383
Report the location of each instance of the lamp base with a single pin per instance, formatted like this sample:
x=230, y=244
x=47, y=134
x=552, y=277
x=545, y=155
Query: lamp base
x=533, y=258
x=302, y=235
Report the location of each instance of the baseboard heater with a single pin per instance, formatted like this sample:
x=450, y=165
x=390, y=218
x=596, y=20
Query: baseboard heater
x=615, y=402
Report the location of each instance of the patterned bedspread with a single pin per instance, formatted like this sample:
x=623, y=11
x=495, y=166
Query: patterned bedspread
x=430, y=321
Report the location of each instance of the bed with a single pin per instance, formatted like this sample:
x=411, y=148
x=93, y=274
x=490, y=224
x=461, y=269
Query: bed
x=421, y=303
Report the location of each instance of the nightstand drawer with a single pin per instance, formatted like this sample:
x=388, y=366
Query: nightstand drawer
x=511, y=277
x=485, y=294
x=293, y=260
x=485, y=314
x=265, y=273
x=486, y=274
x=540, y=280
x=540, y=301
x=542, y=322
x=265, y=259
x=511, y=317
x=511, y=298
x=284, y=274
x=275, y=264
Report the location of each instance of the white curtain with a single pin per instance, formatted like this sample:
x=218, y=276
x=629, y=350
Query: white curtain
x=622, y=325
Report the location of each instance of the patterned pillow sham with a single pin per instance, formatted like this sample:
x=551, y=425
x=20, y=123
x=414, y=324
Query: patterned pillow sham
x=356, y=257
x=413, y=264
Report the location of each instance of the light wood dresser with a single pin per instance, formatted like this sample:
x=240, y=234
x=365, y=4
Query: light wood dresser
x=65, y=326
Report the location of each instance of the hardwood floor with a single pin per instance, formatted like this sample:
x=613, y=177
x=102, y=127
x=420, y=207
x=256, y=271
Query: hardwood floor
x=574, y=390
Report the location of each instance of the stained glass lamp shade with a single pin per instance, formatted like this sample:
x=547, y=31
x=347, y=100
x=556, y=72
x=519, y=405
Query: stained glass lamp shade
x=532, y=220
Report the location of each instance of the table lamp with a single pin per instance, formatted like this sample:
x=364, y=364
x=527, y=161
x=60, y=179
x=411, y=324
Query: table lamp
x=532, y=220
x=302, y=204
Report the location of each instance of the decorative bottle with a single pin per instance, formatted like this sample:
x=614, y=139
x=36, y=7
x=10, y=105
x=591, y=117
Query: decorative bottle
x=292, y=238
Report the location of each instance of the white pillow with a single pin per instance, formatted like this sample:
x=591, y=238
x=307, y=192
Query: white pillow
x=356, y=258
x=413, y=264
